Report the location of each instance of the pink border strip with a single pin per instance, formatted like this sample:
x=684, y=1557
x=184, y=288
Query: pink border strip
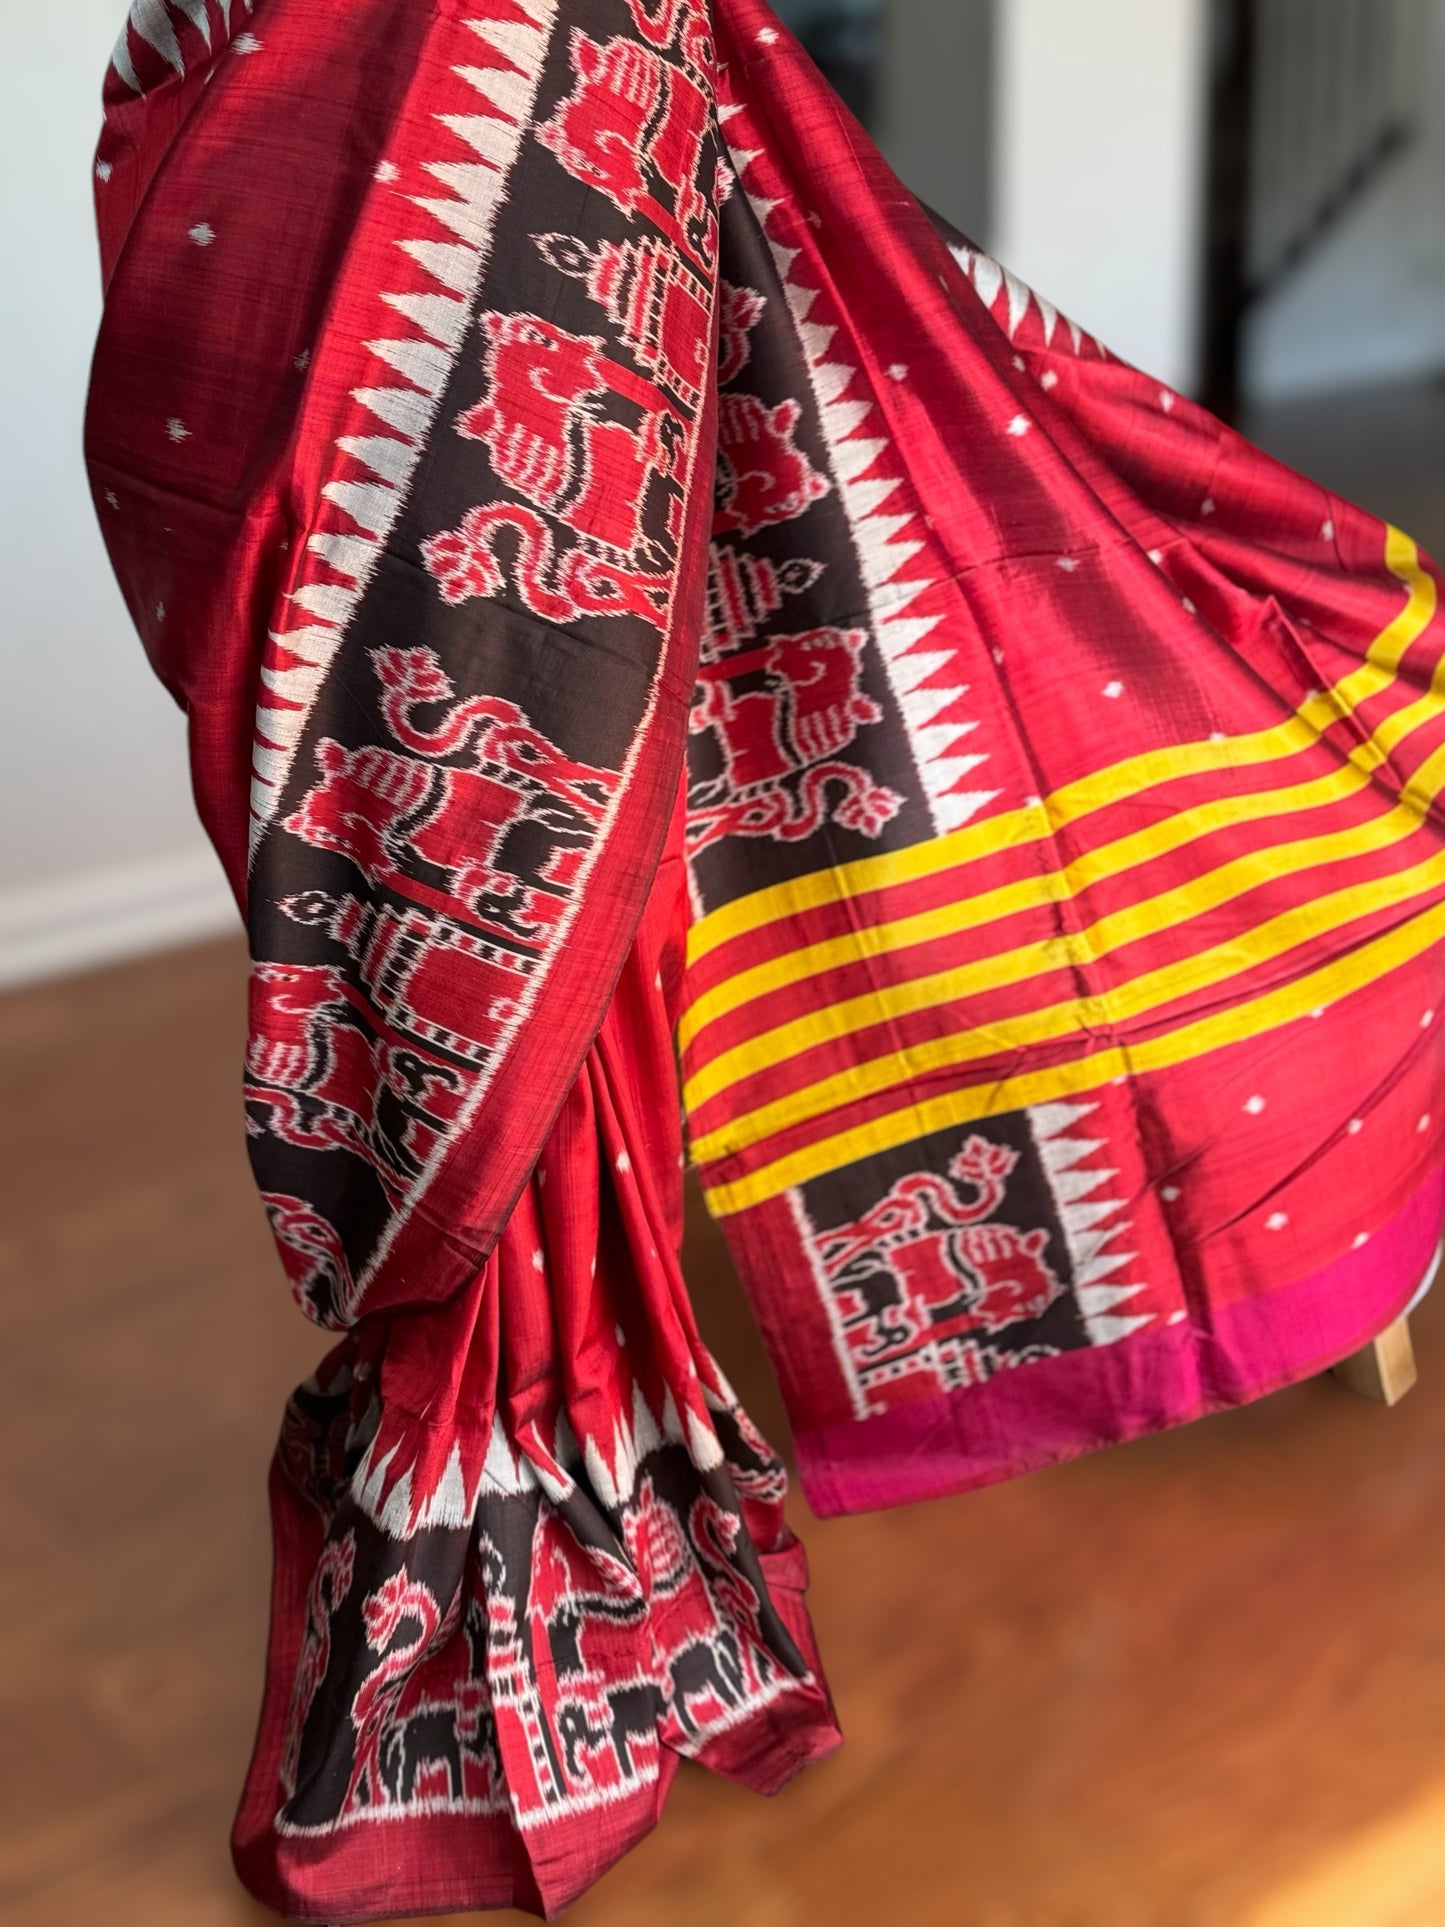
x=1159, y=1378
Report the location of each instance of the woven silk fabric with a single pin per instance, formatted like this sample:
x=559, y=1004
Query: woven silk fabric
x=668, y=627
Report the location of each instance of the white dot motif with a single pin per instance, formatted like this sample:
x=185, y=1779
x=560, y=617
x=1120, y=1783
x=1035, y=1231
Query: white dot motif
x=1277, y=1220
x=386, y=172
x=624, y=1163
x=1019, y=426
x=177, y=429
x=246, y=43
x=1049, y=379
x=202, y=234
x=1255, y=1106
x=899, y=371
x=103, y=170
x=1113, y=690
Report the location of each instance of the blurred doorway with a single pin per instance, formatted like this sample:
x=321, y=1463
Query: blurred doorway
x=1326, y=206
x=919, y=75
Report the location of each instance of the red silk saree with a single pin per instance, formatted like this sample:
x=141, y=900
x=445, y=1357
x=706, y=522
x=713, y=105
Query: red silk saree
x=686, y=656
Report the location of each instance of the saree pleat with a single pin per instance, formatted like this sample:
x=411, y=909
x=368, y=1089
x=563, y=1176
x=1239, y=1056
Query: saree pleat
x=546, y=1558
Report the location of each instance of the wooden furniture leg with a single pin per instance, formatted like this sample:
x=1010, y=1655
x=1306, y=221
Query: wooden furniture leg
x=1383, y=1371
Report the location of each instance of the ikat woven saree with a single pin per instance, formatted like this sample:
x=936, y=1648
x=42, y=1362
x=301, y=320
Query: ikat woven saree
x=644, y=593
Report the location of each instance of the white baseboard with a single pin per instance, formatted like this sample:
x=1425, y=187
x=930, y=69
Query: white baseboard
x=1426, y=1287
x=76, y=923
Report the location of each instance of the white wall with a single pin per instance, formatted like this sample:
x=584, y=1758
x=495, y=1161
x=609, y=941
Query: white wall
x=935, y=114
x=100, y=851
x=1100, y=157
x=1370, y=306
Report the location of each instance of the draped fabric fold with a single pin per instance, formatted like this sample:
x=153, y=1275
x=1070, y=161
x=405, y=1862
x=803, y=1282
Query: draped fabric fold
x=673, y=639
x=532, y=1550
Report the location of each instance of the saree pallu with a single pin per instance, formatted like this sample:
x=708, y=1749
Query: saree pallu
x=639, y=584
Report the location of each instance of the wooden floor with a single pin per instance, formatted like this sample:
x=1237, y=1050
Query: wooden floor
x=1199, y=1680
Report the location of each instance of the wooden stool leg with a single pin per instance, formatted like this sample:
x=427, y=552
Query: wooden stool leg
x=1384, y=1371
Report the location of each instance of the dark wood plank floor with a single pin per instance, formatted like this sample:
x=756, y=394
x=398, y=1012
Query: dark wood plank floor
x=1197, y=1681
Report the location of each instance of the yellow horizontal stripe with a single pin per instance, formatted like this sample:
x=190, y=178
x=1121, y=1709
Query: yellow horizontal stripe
x=1082, y=948
x=1106, y=1009
x=1328, y=985
x=1028, y=893
x=1073, y=879
x=1015, y=828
